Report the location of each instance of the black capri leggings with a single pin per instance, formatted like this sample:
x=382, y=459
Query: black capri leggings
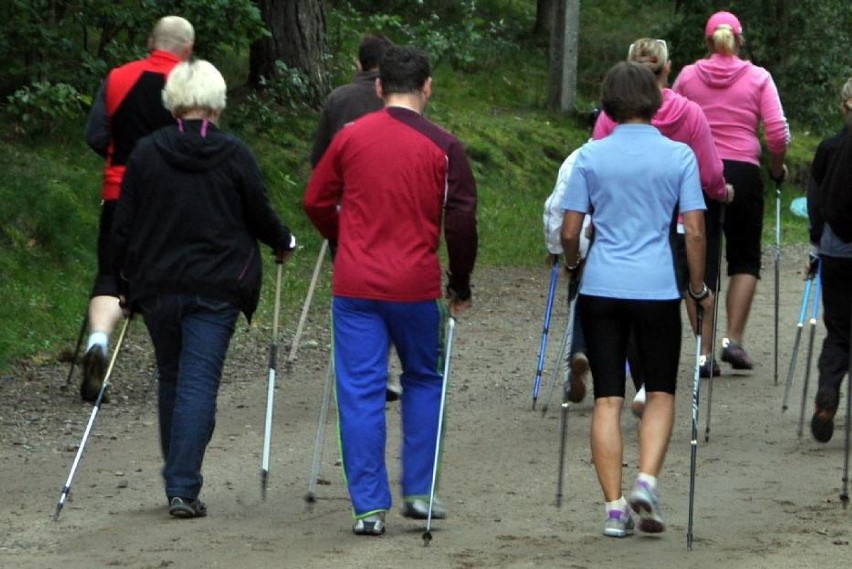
x=104, y=284
x=607, y=325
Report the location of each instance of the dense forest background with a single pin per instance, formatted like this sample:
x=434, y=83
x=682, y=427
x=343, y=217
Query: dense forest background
x=492, y=81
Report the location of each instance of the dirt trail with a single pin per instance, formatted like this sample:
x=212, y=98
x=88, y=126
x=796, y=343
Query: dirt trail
x=764, y=497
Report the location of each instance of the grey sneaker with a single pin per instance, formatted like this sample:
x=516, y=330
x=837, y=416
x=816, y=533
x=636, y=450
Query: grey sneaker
x=94, y=370
x=186, y=508
x=618, y=524
x=418, y=509
x=374, y=524
x=646, y=504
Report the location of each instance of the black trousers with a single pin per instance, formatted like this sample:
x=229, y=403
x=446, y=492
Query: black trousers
x=836, y=274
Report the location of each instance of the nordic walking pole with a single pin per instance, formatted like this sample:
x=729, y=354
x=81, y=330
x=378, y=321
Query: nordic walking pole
x=712, y=356
x=567, y=342
x=542, y=350
x=310, y=497
x=77, y=349
x=777, y=271
x=799, y=326
x=270, y=385
x=448, y=352
x=291, y=357
x=67, y=488
x=844, y=494
x=813, y=325
x=573, y=287
x=696, y=390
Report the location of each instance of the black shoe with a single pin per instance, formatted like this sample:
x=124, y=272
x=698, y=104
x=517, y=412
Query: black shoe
x=94, y=370
x=735, y=355
x=393, y=391
x=186, y=508
x=822, y=423
x=704, y=367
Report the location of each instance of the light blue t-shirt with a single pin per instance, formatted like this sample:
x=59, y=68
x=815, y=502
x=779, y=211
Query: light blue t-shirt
x=633, y=183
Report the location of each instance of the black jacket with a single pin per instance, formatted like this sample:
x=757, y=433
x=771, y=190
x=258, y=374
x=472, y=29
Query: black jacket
x=191, y=210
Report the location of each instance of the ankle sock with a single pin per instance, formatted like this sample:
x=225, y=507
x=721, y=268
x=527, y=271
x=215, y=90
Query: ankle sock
x=98, y=339
x=620, y=504
x=648, y=480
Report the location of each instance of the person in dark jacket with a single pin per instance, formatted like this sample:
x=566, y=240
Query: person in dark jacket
x=185, y=255
x=127, y=107
x=353, y=100
x=832, y=177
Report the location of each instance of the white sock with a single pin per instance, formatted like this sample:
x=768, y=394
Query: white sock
x=98, y=339
x=650, y=481
x=620, y=504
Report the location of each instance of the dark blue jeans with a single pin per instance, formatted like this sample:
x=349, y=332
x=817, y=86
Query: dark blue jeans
x=190, y=336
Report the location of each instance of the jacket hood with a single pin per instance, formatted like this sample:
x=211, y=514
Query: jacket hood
x=721, y=71
x=185, y=148
x=672, y=111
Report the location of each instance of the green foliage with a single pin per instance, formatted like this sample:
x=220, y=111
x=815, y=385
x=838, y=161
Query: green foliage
x=456, y=33
x=268, y=111
x=73, y=43
x=50, y=186
x=42, y=107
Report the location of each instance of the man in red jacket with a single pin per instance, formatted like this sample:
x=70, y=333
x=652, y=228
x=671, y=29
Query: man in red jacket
x=381, y=190
x=127, y=107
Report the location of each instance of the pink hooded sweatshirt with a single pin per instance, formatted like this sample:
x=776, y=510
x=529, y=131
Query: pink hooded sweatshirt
x=735, y=96
x=681, y=120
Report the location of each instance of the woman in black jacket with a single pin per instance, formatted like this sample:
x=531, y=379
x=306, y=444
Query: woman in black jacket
x=185, y=255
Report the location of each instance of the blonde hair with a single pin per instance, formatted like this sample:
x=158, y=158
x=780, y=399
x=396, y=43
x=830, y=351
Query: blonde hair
x=724, y=40
x=173, y=34
x=194, y=85
x=652, y=53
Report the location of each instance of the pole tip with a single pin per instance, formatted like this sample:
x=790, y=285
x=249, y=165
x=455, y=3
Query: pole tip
x=427, y=538
x=56, y=512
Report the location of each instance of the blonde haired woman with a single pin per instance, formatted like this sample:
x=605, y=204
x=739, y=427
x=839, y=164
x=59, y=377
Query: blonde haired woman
x=736, y=97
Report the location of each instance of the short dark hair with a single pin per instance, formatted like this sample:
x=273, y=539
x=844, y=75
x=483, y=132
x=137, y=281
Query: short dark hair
x=404, y=69
x=371, y=51
x=630, y=91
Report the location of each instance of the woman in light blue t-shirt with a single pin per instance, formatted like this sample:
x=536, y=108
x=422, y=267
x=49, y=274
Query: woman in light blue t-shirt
x=634, y=184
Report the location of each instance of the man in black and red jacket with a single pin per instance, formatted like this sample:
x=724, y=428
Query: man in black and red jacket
x=128, y=106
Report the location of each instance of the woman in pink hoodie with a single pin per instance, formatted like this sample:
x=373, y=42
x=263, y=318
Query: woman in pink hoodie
x=682, y=120
x=736, y=97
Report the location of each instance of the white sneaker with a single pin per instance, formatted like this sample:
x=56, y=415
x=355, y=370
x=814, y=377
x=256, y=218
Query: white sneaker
x=418, y=509
x=370, y=525
x=638, y=405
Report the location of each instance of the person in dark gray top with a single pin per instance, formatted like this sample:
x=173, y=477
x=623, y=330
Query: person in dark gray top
x=355, y=99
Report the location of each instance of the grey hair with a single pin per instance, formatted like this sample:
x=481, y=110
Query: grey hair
x=194, y=85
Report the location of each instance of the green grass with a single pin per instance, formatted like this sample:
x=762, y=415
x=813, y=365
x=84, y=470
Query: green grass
x=49, y=189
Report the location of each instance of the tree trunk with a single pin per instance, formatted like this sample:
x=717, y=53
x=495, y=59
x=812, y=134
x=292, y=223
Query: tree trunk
x=544, y=15
x=297, y=38
x=563, y=56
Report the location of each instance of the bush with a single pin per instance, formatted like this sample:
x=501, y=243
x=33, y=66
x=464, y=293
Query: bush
x=41, y=108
